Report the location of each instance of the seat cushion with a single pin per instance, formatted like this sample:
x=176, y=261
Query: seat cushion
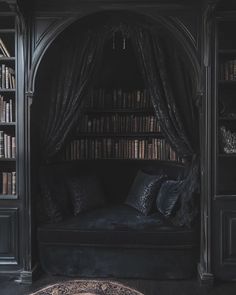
x=119, y=225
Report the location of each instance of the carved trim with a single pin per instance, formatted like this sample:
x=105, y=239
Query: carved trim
x=172, y=24
x=186, y=31
x=208, y=26
x=27, y=277
x=227, y=217
x=205, y=278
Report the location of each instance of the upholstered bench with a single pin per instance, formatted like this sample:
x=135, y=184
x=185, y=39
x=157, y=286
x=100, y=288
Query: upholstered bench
x=118, y=242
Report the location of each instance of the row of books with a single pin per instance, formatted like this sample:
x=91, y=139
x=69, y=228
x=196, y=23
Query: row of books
x=7, y=77
x=117, y=98
x=7, y=146
x=106, y=148
x=8, y=183
x=6, y=110
x=3, y=49
x=119, y=123
x=228, y=70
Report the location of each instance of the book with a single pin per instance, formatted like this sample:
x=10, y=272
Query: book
x=4, y=183
x=13, y=187
x=3, y=48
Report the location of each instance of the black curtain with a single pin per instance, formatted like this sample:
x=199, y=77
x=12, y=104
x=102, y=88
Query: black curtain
x=171, y=87
x=75, y=65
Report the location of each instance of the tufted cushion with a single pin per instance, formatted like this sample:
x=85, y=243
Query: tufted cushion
x=143, y=191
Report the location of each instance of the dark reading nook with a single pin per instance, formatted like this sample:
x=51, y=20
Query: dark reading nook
x=117, y=143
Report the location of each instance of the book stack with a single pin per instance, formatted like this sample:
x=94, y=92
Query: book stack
x=6, y=110
x=123, y=148
x=119, y=123
x=117, y=98
x=8, y=183
x=7, y=146
x=7, y=77
x=3, y=49
x=228, y=70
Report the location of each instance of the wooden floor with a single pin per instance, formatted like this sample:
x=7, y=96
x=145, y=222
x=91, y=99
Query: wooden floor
x=191, y=287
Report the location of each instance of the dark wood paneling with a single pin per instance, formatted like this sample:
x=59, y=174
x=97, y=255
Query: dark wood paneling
x=224, y=238
x=8, y=236
x=228, y=237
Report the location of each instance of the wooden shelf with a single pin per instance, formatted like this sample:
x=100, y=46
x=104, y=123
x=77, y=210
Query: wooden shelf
x=227, y=51
x=120, y=110
x=227, y=118
x=7, y=90
x=6, y=124
x=8, y=197
x=114, y=134
x=5, y=58
x=121, y=159
x=225, y=82
x=7, y=31
x=7, y=159
x=227, y=155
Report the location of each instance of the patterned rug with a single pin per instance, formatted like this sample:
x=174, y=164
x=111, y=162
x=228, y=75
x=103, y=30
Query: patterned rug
x=87, y=287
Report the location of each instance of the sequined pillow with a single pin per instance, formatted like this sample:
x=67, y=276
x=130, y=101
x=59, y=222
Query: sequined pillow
x=168, y=196
x=143, y=192
x=86, y=193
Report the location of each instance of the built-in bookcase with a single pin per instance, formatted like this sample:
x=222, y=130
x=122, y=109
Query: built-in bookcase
x=8, y=101
x=118, y=121
x=226, y=109
x=119, y=124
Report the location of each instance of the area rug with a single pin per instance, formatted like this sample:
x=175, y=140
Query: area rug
x=87, y=287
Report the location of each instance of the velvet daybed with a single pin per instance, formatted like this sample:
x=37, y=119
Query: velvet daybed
x=115, y=240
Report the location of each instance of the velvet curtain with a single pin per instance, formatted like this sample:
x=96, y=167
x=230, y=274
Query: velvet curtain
x=68, y=85
x=170, y=86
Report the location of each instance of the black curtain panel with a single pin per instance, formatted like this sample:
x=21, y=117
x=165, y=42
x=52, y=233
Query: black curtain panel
x=170, y=85
x=67, y=87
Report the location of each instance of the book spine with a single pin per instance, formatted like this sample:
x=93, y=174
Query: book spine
x=1, y=144
x=13, y=177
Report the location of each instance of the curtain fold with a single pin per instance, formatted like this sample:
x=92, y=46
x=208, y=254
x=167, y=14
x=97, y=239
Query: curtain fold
x=68, y=86
x=169, y=83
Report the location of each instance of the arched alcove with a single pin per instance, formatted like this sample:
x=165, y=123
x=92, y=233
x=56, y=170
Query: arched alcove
x=43, y=71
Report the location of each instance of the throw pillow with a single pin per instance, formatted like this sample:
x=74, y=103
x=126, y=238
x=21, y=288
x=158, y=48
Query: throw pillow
x=53, y=199
x=143, y=192
x=86, y=193
x=51, y=212
x=168, y=196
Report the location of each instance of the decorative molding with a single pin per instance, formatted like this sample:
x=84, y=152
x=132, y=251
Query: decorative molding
x=43, y=25
x=205, y=278
x=27, y=277
x=184, y=29
x=9, y=252
x=227, y=235
x=208, y=19
x=58, y=25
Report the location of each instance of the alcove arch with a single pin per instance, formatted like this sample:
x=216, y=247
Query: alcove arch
x=172, y=28
x=177, y=30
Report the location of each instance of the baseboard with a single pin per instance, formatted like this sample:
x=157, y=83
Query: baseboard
x=205, y=278
x=27, y=277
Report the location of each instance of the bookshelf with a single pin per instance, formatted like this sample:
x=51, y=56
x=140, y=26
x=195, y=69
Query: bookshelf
x=119, y=124
x=7, y=107
x=225, y=108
